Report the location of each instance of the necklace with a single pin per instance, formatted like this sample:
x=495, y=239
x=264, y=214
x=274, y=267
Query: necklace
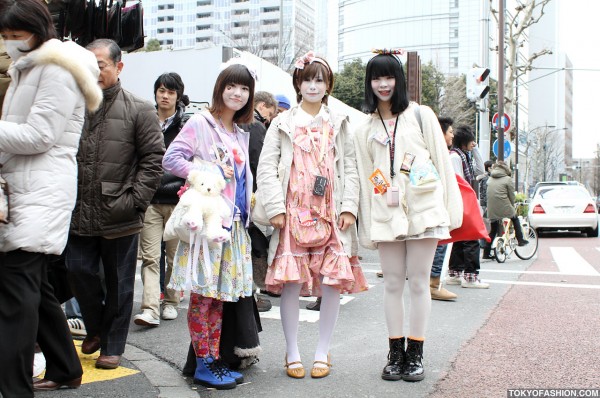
x=392, y=145
x=225, y=128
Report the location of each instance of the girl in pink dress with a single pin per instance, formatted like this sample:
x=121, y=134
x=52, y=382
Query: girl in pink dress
x=307, y=181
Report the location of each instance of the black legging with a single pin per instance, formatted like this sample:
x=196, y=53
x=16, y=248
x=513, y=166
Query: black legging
x=495, y=227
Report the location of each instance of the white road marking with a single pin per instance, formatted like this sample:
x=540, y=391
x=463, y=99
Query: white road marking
x=273, y=313
x=545, y=284
x=570, y=262
x=370, y=265
x=305, y=315
x=508, y=271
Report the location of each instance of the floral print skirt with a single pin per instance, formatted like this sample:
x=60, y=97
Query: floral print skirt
x=231, y=266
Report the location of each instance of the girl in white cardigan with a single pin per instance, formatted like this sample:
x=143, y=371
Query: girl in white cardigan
x=409, y=200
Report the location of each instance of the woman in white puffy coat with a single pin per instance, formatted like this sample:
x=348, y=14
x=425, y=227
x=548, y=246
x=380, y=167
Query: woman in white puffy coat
x=42, y=117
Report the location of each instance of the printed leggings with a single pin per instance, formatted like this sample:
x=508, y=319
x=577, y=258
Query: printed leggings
x=205, y=320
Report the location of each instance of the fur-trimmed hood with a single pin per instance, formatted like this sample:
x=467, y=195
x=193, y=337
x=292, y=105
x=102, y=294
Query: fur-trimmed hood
x=78, y=61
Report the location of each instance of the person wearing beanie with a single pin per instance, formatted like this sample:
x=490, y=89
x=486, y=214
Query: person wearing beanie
x=283, y=103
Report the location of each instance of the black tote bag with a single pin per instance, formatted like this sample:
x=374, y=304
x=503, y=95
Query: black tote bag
x=132, y=27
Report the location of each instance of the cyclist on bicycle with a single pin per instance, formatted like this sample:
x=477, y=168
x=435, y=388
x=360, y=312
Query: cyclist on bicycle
x=501, y=204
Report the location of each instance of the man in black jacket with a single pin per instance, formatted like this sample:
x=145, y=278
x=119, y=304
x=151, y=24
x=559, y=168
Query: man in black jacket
x=170, y=104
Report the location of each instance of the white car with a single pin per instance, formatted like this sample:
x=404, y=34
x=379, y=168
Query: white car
x=563, y=207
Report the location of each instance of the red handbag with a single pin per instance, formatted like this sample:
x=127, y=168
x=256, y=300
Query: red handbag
x=473, y=227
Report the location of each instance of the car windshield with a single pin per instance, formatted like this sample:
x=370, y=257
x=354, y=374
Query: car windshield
x=564, y=192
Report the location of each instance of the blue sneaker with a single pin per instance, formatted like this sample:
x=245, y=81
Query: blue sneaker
x=210, y=374
x=237, y=376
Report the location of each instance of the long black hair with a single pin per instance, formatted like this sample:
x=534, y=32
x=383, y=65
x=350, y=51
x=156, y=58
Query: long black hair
x=386, y=65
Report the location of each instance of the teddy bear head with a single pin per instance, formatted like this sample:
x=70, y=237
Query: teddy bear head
x=207, y=183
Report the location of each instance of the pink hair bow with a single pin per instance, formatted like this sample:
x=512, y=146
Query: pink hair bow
x=307, y=58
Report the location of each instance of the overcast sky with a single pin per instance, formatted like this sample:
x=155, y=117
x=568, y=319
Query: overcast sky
x=580, y=39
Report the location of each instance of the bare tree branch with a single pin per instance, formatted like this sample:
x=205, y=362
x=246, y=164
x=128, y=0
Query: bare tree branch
x=526, y=14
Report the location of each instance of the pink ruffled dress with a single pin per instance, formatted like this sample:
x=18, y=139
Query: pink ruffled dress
x=307, y=265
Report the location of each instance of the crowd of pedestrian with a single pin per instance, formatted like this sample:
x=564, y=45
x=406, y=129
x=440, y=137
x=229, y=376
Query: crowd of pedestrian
x=95, y=174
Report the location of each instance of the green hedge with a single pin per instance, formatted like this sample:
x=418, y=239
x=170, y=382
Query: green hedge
x=523, y=209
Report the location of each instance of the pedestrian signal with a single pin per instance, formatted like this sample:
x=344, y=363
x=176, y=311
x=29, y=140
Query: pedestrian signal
x=477, y=83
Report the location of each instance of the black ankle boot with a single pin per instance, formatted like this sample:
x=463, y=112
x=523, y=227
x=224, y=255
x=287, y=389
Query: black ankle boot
x=413, y=368
x=396, y=358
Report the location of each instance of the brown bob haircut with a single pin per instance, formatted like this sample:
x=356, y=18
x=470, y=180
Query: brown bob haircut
x=309, y=72
x=29, y=15
x=234, y=74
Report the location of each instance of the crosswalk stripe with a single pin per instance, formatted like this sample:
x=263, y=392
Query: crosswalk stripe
x=570, y=262
x=305, y=315
x=545, y=284
x=508, y=271
x=273, y=313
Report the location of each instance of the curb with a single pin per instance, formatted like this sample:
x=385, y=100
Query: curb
x=169, y=382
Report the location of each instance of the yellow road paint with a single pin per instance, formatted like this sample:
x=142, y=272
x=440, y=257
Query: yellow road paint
x=91, y=374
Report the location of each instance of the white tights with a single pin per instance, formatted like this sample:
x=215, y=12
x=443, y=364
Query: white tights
x=399, y=260
x=290, y=315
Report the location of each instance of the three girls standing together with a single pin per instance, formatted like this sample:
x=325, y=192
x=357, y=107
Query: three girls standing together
x=314, y=180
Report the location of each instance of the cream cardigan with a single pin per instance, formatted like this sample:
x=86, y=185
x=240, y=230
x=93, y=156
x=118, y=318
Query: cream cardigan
x=435, y=204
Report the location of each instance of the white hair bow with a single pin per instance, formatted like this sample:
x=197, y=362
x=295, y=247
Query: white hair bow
x=244, y=63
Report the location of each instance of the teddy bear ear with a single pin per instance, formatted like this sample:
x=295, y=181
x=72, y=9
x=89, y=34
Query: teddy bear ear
x=192, y=176
x=222, y=183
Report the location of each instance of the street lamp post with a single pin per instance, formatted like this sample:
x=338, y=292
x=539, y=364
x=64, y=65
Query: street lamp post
x=545, y=159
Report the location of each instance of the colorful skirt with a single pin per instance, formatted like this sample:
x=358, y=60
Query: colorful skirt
x=230, y=263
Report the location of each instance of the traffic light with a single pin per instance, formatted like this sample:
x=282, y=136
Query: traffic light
x=477, y=83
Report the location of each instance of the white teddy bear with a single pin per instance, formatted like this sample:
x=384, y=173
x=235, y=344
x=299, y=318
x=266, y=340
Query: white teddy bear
x=206, y=208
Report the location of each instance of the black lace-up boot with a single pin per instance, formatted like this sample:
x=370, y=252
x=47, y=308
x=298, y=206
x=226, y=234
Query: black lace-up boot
x=396, y=358
x=413, y=368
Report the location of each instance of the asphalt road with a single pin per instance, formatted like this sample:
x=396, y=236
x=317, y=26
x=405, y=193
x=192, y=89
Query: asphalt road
x=535, y=327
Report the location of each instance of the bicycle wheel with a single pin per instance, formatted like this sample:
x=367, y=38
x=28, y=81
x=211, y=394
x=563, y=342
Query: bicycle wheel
x=529, y=250
x=500, y=250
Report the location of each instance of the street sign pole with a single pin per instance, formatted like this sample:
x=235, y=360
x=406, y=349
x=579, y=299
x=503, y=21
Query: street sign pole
x=501, y=28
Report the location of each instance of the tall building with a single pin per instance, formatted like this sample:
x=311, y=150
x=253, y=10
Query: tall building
x=551, y=87
x=276, y=30
x=444, y=32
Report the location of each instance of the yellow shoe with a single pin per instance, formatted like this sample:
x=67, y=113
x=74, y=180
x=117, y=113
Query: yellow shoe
x=318, y=372
x=295, y=373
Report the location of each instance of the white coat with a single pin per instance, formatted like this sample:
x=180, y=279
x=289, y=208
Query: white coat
x=42, y=118
x=435, y=204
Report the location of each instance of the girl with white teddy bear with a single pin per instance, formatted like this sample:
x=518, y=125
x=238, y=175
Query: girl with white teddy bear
x=211, y=141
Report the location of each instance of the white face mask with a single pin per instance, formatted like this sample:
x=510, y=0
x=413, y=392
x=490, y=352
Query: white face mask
x=14, y=48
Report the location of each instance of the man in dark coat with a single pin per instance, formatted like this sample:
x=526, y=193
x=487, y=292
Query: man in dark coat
x=119, y=168
x=265, y=110
x=4, y=78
